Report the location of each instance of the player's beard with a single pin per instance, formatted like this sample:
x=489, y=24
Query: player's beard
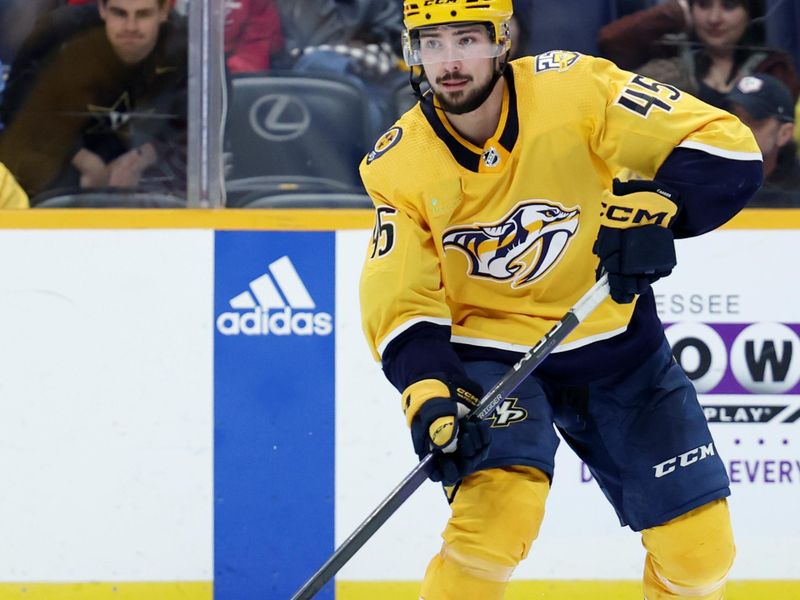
x=460, y=102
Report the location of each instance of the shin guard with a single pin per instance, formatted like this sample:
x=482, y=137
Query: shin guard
x=496, y=515
x=689, y=557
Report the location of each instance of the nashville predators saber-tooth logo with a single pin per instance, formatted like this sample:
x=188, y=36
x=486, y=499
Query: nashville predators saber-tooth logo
x=522, y=246
x=508, y=413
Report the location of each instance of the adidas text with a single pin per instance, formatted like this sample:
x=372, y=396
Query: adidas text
x=277, y=322
x=276, y=303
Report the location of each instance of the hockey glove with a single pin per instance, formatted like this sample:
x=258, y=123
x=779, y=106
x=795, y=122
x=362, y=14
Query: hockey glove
x=635, y=243
x=435, y=412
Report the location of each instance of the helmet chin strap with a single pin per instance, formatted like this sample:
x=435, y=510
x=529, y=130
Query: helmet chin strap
x=499, y=69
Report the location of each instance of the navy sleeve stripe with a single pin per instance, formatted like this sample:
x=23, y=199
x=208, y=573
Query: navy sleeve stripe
x=406, y=326
x=422, y=351
x=712, y=188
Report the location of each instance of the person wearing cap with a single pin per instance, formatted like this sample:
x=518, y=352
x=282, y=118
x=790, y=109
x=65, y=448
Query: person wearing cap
x=766, y=106
x=700, y=46
x=495, y=210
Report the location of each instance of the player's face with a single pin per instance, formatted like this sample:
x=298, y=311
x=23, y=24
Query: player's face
x=455, y=65
x=132, y=26
x=720, y=23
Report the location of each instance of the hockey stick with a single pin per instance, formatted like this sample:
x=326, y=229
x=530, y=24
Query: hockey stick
x=507, y=384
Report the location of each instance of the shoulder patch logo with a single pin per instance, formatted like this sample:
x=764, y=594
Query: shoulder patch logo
x=556, y=60
x=523, y=246
x=385, y=143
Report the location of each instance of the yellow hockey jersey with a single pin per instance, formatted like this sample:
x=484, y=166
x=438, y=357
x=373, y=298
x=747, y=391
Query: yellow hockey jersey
x=496, y=241
x=11, y=194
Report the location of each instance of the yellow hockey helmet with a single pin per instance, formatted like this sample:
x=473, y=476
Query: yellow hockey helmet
x=418, y=14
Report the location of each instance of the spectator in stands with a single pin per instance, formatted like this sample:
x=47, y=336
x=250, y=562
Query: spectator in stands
x=359, y=39
x=311, y=23
x=56, y=22
x=765, y=105
x=11, y=194
x=252, y=34
x=109, y=106
x=700, y=46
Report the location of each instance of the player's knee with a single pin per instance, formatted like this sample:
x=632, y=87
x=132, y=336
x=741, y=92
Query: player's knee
x=496, y=517
x=694, y=552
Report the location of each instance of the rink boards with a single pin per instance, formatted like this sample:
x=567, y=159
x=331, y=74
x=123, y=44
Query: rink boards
x=186, y=398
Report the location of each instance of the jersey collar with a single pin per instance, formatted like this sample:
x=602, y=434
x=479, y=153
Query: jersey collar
x=467, y=154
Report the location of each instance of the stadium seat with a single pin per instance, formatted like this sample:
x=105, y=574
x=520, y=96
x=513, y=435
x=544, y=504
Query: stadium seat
x=330, y=200
x=286, y=123
x=106, y=198
x=242, y=191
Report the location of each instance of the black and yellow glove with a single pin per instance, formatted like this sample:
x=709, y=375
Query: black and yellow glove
x=635, y=244
x=435, y=413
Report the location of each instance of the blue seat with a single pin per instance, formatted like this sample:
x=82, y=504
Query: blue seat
x=291, y=124
x=106, y=198
x=241, y=191
x=302, y=200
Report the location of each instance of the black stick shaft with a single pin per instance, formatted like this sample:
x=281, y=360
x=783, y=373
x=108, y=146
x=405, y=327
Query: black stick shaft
x=507, y=384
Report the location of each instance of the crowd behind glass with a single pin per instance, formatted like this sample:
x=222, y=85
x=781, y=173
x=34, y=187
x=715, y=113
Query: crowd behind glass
x=94, y=102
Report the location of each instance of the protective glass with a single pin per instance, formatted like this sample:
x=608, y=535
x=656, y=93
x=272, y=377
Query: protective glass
x=444, y=43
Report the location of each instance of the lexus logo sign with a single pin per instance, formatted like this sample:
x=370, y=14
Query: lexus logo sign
x=279, y=117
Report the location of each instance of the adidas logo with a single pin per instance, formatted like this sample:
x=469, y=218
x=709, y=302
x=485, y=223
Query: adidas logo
x=276, y=303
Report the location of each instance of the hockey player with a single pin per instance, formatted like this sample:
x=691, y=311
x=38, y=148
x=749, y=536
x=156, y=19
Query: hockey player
x=495, y=208
x=11, y=194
